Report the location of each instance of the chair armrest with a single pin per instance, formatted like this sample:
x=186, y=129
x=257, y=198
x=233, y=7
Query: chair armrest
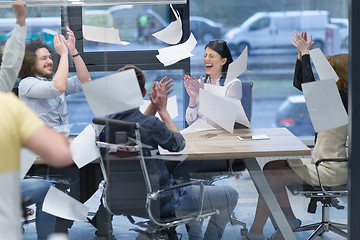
x=154, y=195
x=317, y=163
x=121, y=147
x=196, y=216
x=330, y=160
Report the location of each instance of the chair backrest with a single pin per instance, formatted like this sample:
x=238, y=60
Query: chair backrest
x=246, y=99
x=126, y=191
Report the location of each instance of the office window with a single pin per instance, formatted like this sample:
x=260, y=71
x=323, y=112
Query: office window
x=42, y=23
x=136, y=24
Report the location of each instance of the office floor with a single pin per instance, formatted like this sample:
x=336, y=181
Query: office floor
x=244, y=212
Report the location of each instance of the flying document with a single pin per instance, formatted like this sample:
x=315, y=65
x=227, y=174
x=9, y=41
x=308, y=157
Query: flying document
x=322, y=65
x=83, y=147
x=62, y=205
x=173, y=54
x=324, y=104
x=172, y=34
x=237, y=67
x=100, y=34
x=218, y=109
x=113, y=93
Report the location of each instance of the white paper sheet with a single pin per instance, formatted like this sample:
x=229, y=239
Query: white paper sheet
x=62, y=205
x=324, y=105
x=114, y=93
x=215, y=89
x=173, y=54
x=322, y=65
x=237, y=67
x=199, y=125
x=83, y=147
x=218, y=109
x=240, y=114
x=171, y=107
x=100, y=34
x=27, y=159
x=173, y=32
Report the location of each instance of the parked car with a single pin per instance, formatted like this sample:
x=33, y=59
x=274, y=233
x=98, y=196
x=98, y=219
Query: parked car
x=275, y=29
x=136, y=23
x=205, y=29
x=343, y=25
x=293, y=115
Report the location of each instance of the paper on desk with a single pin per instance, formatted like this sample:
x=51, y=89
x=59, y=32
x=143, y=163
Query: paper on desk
x=218, y=109
x=62, y=205
x=322, y=65
x=173, y=32
x=114, y=93
x=237, y=67
x=83, y=147
x=171, y=107
x=199, y=125
x=324, y=105
x=173, y=54
x=27, y=159
x=101, y=34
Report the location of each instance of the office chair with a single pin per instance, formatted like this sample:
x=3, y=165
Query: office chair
x=328, y=197
x=127, y=186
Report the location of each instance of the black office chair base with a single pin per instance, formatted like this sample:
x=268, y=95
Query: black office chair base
x=323, y=227
x=154, y=233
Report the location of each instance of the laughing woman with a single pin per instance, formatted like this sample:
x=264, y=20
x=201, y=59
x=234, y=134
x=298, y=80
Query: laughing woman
x=217, y=58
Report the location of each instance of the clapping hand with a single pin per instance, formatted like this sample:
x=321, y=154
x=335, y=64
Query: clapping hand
x=302, y=44
x=70, y=42
x=158, y=96
x=192, y=86
x=59, y=44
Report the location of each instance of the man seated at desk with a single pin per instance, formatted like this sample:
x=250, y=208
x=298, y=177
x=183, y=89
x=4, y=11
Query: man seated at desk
x=155, y=132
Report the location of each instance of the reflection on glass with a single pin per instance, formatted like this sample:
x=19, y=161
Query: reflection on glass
x=136, y=24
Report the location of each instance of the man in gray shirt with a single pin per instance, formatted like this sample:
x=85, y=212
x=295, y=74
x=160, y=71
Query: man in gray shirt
x=45, y=92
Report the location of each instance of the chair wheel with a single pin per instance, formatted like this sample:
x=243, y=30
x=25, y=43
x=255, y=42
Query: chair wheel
x=243, y=231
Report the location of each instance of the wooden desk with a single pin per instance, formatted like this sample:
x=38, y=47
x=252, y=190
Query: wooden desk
x=219, y=144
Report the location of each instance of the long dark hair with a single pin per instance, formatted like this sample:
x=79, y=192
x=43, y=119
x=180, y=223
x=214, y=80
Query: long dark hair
x=221, y=48
x=28, y=65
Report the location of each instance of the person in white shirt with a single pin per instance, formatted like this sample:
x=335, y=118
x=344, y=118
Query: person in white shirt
x=217, y=58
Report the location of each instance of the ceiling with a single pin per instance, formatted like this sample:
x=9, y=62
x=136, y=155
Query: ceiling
x=59, y=3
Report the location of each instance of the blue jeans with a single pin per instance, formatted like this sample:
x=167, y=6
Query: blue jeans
x=36, y=189
x=222, y=198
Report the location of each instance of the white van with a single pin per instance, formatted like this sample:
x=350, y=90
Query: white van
x=275, y=29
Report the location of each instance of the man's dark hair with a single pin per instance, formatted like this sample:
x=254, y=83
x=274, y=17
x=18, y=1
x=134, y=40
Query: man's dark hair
x=28, y=65
x=139, y=74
